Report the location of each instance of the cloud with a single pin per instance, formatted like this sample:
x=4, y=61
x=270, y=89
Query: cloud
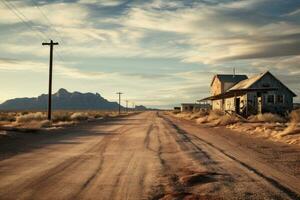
x=102, y=2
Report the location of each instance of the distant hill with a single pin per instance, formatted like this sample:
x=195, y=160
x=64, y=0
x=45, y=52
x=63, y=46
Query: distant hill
x=61, y=100
x=140, y=108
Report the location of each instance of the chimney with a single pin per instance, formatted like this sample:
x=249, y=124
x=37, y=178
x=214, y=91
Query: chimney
x=233, y=72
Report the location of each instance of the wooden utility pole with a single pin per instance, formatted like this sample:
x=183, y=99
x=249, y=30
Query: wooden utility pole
x=127, y=105
x=51, y=44
x=119, y=93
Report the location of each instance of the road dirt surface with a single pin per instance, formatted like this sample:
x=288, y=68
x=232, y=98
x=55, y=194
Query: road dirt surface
x=150, y=155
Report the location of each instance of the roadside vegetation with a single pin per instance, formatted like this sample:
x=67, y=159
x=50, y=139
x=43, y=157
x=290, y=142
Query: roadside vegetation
x=267, y=125
x=38, y=120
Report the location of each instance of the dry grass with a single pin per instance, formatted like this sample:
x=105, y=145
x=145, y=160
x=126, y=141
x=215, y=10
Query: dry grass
x=267, y=125
x=212, y=118
x=266, y=117
x=293, y=127
x=37, y=120
x=37, y=116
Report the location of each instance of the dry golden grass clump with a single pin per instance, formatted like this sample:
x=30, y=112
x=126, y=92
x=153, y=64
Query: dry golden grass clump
x=8, y=116
x=212, y=117
x=27, y=119
x=293, y=126
x=37, y=116
x=266, y=117
x=80, y=116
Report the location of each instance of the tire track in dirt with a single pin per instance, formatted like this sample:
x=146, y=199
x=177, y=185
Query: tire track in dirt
x=42, y=180
x=290, y=193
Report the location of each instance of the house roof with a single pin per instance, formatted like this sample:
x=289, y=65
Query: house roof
x=229, y=78
x=237, y=92
x=246, y=84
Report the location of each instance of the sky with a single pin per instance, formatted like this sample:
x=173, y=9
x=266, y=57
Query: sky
x=159, y=53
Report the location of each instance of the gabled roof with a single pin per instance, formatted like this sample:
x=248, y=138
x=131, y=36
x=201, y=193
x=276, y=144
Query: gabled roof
x=229, y=78
x=246, y=84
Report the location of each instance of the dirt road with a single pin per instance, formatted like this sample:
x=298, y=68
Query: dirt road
x=147, y=156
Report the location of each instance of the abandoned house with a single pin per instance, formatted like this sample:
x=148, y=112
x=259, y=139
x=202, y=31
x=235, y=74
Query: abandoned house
x=247, y=96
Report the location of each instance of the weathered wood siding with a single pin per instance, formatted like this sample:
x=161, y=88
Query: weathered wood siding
x=216, y=87
x=269, y=81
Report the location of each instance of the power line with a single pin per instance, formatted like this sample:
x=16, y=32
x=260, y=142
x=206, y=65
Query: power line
x=41, y=35
x=26, y=22
x=19, y=15
x=47, y=19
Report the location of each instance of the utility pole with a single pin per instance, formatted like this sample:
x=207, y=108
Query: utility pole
x=51, y=44
x=127, y=105
x=119, y=93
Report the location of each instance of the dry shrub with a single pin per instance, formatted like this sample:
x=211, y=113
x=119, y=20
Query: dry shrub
x=214, y=114
x=36, y=124
x=38, y=116
x=202, y=120
x=80, y=116
x=184, y=115
x=266, y=117
x=293, y=125
x=61, y=117
x=210, y=116
x=8, y=117
x=199, y=114
x=227, y=120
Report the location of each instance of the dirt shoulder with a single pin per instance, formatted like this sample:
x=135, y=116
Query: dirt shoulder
x=283, y=157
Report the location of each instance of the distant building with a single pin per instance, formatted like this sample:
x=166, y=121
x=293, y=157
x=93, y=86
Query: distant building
x=192, y=107
x=177, y=108
x=247, y=96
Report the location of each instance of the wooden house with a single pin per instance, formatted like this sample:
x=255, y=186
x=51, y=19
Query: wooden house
x=247, y=96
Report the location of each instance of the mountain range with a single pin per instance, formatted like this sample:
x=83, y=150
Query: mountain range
x=61, y=100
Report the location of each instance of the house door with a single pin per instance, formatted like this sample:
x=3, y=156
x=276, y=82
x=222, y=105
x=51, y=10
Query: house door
x=259, y=104
x=237, y=105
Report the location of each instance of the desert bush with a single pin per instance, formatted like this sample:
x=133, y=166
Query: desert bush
x=227, y=120
x=61, y=117
x=209, y=116
x=36, y=124
x=214, y=114
x=184, y=115
x=266, y=117
x=38, y=116
x=198, y=114
x=293, y=125
x=9, y=117
x=79, y=116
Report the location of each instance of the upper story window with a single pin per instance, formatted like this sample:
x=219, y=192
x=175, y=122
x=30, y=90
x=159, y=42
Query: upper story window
x=270, y=99
x=279, y=98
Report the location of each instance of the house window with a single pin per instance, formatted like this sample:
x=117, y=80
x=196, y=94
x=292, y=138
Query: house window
x=279, y=98
x=270, y=99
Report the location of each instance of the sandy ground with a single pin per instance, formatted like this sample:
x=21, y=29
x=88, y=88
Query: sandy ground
x=146, y=156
